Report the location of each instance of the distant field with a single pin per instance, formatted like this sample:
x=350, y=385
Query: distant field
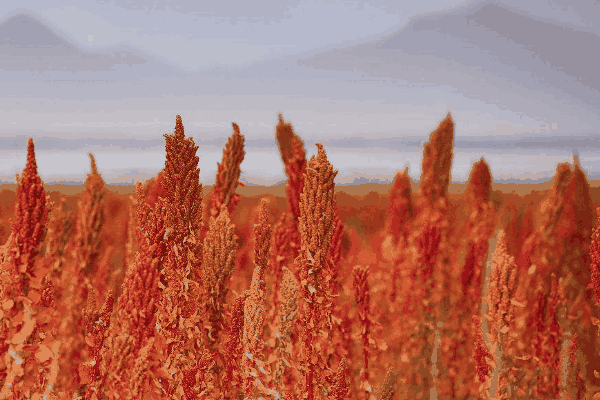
x=354, y=190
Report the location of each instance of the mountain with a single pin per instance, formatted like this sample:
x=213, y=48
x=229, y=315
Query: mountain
x=26, y=31
x=487, y=51
x=502, y=37
x=29, y=49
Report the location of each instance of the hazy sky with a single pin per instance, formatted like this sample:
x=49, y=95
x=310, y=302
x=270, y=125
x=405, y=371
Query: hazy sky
x=223, y=32
x=195, y=34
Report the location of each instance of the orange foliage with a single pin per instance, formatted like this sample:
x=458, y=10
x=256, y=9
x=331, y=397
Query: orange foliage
x=171, y=294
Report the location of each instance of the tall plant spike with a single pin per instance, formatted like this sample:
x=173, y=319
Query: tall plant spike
x=218, y=265
x=228, y=174
x=293, y=155
x=135, y=329
x=316, y=226
x=20, y=282
x=437, y=162
x=83, y=280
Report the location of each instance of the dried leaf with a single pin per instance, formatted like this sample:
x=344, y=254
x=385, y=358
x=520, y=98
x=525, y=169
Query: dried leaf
x=89, y=340
x=8, y=304
x=516, y=303
x=43, y=353
x=34, y=296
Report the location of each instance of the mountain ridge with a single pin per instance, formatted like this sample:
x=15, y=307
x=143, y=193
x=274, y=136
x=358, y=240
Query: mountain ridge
x=31, y=45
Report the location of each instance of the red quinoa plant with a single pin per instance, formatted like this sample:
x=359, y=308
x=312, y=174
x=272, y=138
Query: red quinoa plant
x=318, y=319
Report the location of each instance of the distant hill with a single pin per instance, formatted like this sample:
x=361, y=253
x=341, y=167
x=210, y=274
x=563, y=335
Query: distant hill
x=29, y=45
x=486, y=51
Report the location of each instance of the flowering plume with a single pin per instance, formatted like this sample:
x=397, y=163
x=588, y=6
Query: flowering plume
x=433, y=197
x=254, y=308
x=512, y=219
x=20, y=285
x=60, y=227
x=128, y=229
x=317, y=211
x=387, y=389
x=156, y=187
x=429, y=244
x=95, y=341
x=545, y=249
x=400, y=215
x=361, y=294
x=595, y=258
x=262, y=236
x=228, y=174
x=335, y=251
x=58, y=234
x=293, y=155
x=400, y=207
x=218, y=264
x=502, y=287
x=183, y=191
x=90, y=222
x=484, y=360
x=254, y=317
x=285, y=246
x=28, y=227
x=480, y=227
x=575, y=267
x=181, y=178
x=286, y=319
x=234, y=343
x=555, y=224
x=181, y=271
x=520, y=242
x=286, y=237
x=340, y=388
x=315, y=225
x=437, y=162
x=83, y=274
x=128, y=360
x=551, y=357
